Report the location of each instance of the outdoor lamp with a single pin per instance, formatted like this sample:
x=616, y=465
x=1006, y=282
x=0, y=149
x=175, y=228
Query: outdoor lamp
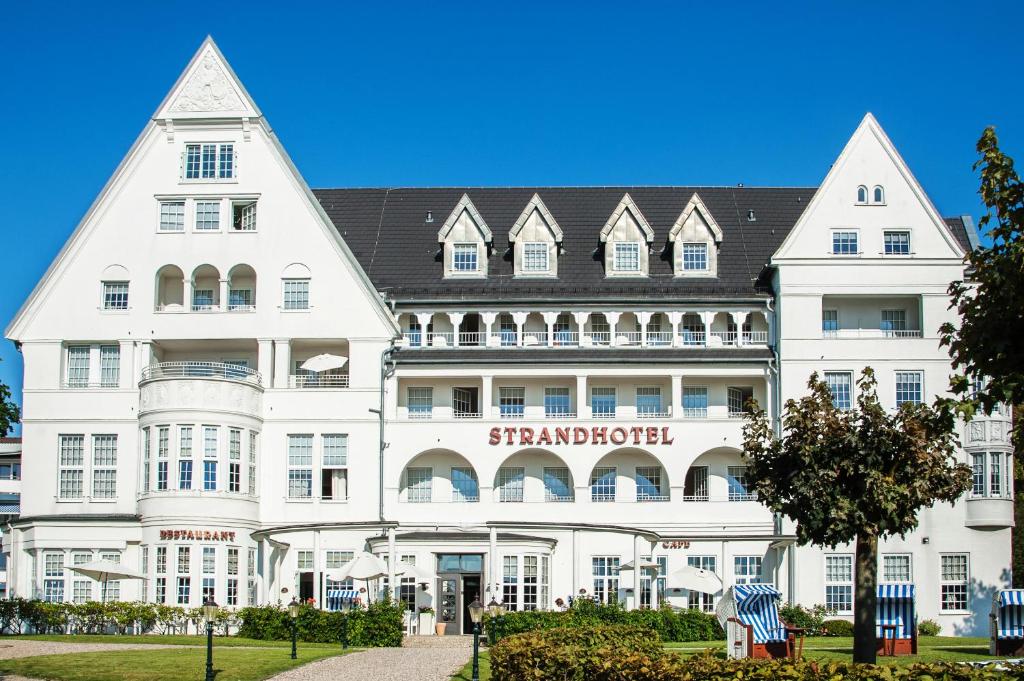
x=476, y=613
x=293, y=608
x=209, y=613
x=209, y=610
x=494, y=608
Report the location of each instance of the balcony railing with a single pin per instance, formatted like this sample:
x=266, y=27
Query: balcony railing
x=871, y=333
x=311, y=381
x=689, y=337
x=574, y=339
x=194, y=369
x=651, y=498
x=460, y=414
x=652, y=414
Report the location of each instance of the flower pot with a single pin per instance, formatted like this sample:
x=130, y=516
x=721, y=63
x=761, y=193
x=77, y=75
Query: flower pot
x=439, y=628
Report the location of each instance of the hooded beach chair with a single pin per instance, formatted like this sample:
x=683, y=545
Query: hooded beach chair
x=336, y=597
x=749, y=613
x=895, y=620
x=1007, y=622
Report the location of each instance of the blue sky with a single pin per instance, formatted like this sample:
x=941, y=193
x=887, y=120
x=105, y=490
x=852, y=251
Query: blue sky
x=519, y=93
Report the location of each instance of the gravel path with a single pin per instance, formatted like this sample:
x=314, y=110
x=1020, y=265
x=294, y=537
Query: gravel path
x=11, y=647
x=422, y=658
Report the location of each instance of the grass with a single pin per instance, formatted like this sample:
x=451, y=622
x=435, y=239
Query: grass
x=466, y=673
x=171, y=640
x=229, y=664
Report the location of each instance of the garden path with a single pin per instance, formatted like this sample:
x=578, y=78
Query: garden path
x=421, y=658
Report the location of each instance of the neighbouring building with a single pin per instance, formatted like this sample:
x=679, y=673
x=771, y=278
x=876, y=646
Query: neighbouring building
x=542, y=386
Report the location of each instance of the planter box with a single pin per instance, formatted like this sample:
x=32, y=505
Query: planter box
x=426, y=624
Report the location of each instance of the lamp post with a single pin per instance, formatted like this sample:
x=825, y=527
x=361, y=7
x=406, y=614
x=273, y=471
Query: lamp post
x=209, y=613
x=293, y=612
x=495, y=610
x=346, y=605
x=476, y=613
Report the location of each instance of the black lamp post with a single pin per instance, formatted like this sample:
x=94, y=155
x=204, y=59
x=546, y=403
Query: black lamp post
x=293, y=612
x=496, y=610
x=346, y=605
x=476, y=613
x=209, y=613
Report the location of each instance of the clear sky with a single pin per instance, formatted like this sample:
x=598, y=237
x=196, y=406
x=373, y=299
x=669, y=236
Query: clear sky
x=509, y=93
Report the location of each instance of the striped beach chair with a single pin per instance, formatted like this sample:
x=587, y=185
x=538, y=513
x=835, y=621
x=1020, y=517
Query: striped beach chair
x=750, y=615
x=895, y=620
x=337, y=597
x=1007, y=622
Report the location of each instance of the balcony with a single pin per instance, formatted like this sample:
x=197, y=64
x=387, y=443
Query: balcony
x=871, y=333
x=199, y=385
x=194, y=369
x=318, y=381
x=989, y=513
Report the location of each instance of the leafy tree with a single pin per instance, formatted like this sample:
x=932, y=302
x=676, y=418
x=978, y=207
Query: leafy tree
x=9, y=413
x=988, y=340
x=854, y=475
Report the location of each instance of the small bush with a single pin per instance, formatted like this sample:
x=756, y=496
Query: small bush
x=836, y=628
x=377, y=626
x=928, y=628
x=808, y=619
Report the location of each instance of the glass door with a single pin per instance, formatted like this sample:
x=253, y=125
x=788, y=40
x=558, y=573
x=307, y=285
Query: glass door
x=448, y=603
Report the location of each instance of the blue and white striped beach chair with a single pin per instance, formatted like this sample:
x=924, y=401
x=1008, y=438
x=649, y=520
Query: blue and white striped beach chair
x=751, y=611
x=1007, y=618
x=895, y=619
x=337, y=597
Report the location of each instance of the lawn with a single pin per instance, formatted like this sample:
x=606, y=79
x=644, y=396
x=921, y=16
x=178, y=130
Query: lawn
x=230, y=664
x=171, y=640
x=467, y=672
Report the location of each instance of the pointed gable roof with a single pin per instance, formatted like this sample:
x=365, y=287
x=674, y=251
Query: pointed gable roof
x=696, y=204
x=207, y=88
x=465, y=204
x=869, y=126
x=537, y=204
x=625, y=204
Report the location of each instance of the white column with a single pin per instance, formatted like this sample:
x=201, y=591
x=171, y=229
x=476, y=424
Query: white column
x=424, y=318
x=520, y=319
x=282, y=362
x=190, y=286
x=549, y=322
x=496, y=567
x=486, y=396
x=643, y=318
x=223, y=295
x=268, y=584
x=392, y=562
x=675, y=319
x=575, y=563
x=739, y=319
x=488, y=318
x=317, y=567
x=638, y=543
x=126, y=358
x=265, y=360
x=581, y=321
x=613, y=321
x=654, y=580
x=707, y=318
x=677, y=397
x=582, y=411
x=456, y=319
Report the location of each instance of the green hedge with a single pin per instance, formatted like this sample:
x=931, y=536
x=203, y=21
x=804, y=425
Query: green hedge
x=622, y=653
x=837, y=628
x=671, y=625
x=18, y=615
x=379, y=625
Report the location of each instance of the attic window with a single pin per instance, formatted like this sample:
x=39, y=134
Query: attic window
x=535, y=256
x=464, y=258
x=627, y=256
x=695, y=257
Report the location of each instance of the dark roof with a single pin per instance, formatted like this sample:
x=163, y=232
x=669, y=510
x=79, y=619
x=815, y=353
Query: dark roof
x=387, y=232
x=618, y=356
x=963, y=230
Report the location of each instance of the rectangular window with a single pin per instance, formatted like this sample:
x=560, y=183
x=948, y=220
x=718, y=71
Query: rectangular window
x=896, y=567
x=234, y=477
x=510, y=582
x=530, y=582
x=829, y=322
x=995, y=474
x=465, y=403
x=162, y=452
x=104, y=463
x=184, y=560
x=110, y=366
x=210, y=442
x=955, y=578
x=185, y=474
x=535, y=256
x=908, y=387
x=627, y=257
x=512, y=402
x=334, y=474
x=78, y=366
x=300, y=466
x=464, y=258
x=419, y=482
x=510, y=483
x=739, y=489
x=421, y=402
x=840, y=383
x=253, y=440
x=897, y=243
x=556, y=485
x=602, y=484
x=978, y=475
x=844, y=243
x=648, y=401
x=605, y=573
x=72, y=466
x=146, y=449
x=207, y=216
x=185, y=442
x=894, y=322
x=648, y=484
x=699, y=600
x=82, y=591
x=240, y=299
x=115, y=295
x=556, y=402
x=209, y=560
x=232, y=591
x=161, y=590
x=210, y=476
x=464, y=484
x=209, y=161
x=695, y=402
x=602, y=402
x=184, y=590
x=296, y=294
x=737, y=399
x=202, y=299
x=335, y=559
x=695, y=487
x=161, y=560
x=839, y=583
x=243, y=216
x=695, y=257
x=172, y=216
x=747, y=569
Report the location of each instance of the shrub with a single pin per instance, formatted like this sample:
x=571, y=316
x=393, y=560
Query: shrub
x=928, y=628
x=809, y=619
x=377, y=626
x=836, y=628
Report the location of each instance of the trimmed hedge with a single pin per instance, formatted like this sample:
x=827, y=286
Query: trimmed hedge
x=620, y=653
x=18, y=615
x=670, y=625
x=379, y=625
x=836, y=628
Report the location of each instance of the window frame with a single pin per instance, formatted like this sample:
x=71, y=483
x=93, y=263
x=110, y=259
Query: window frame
x=836, y=232
x=896, y=385
x=203, y=216
x=844, y=583
x=222, y=150
x=602, y=487
x=297, y=296
x=541, y=247
x=694, y=412
x=951, y=583
x=299, y=459
x=704, y=256
x=463, y=247
x=618, y=248
x=848, y=375
x=599, y=394
x=110, y=300
x=883, y=570
x=179, y=227
x=886, y=233
x=71, y=466
x=510, y=481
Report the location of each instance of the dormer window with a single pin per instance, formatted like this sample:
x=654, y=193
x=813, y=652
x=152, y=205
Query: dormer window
x=695, y=257
x=862, y=194
x=534, y=239
x=464, y=258
x=627, y=257
x=535, y=257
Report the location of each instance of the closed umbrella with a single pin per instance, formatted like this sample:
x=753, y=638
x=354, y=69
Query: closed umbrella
x=324, y=362
x=404, y=569
x=104, y=570
x=695, y=579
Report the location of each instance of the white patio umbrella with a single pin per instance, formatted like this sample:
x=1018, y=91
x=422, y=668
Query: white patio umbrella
x=104, y=570
x=695, y=579
x=404, y=569
x=645, y=566
x=365, y=566
x=324, y=362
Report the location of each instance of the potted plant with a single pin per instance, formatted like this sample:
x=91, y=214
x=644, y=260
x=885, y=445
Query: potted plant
x=426, y=623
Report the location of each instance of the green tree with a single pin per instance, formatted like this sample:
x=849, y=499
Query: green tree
x=854, y=475
x=9, y=413
x=987, y=341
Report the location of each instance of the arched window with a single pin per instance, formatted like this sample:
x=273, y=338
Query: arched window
x=878, y=194
x=862, y=194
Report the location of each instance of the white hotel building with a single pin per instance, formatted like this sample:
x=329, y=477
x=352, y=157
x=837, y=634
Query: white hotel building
x=542, y=384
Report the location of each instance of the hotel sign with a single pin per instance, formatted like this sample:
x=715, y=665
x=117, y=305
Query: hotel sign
x=196, y=535
x=596, y=435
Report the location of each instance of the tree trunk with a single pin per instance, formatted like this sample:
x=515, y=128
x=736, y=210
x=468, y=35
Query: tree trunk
x=864, y=597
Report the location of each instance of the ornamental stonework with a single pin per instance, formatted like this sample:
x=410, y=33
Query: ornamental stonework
x=209, y=89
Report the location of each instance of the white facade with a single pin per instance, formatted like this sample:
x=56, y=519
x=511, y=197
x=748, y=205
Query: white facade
x=167, y=422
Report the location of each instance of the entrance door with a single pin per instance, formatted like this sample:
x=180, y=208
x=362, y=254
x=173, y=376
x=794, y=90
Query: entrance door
x=470, y=593
x=448, y=602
